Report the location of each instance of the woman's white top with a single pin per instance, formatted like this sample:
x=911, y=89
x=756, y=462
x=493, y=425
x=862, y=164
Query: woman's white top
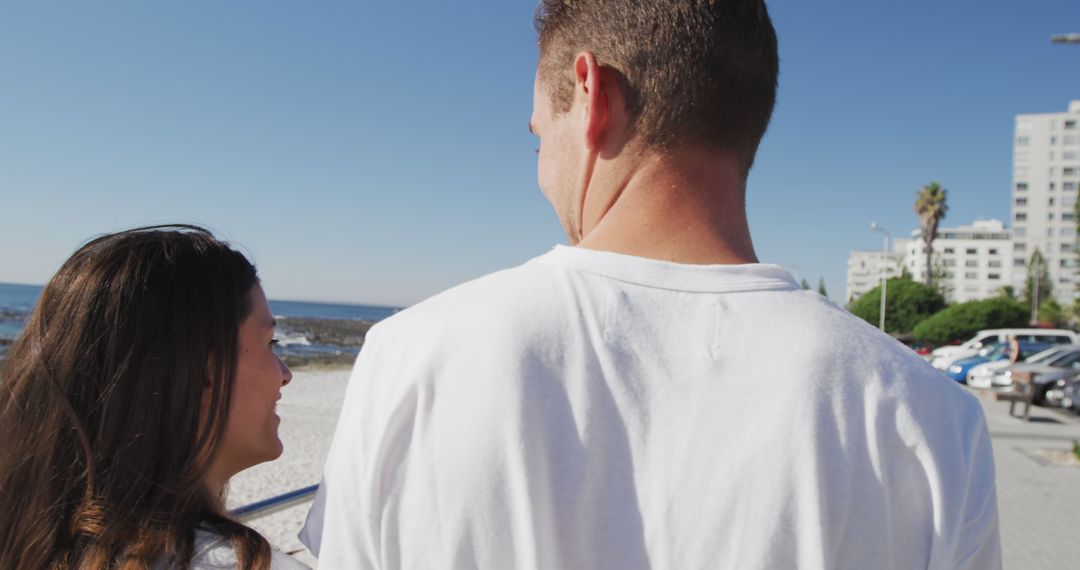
x=213, y=552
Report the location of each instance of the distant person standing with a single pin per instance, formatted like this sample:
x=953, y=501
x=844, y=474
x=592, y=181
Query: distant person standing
x=651, y=397
x=1014, y=349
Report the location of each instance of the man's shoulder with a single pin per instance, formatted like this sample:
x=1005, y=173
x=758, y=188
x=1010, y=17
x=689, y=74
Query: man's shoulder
x=874, y=363
x=850, y=353
x=511, y=297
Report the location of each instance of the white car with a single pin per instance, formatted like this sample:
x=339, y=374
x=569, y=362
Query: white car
x=942, y=358
x=981, y=376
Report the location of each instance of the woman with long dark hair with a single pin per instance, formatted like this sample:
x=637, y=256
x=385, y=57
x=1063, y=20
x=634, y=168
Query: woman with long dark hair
x=143, y=381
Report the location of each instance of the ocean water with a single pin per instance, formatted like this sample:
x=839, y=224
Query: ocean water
x=16, y=301
x=330, y=311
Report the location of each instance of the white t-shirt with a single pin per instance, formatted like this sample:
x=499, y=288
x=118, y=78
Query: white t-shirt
x=595, y=410
x=213, y=552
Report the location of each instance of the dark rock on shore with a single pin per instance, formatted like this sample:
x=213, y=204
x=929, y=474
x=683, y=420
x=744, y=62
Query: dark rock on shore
x=333, y=332
x=334, y=343
x=339, y=360
x=11, y=315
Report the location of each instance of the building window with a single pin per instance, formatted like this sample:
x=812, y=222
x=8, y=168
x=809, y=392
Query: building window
x=993, y=276
x=994, y=263
x=1070, y=155
x=1019, y=262
x=971, y=251
x=1021, y=216
x=1021, y=186
x=949, y=250
x=1021, y=156
x=1068, y=232
x=992, y=251
x=1051, y=201
x=1068, y=186
x=1070, y=124
x=1066, y=247
x=1069, y=171
x=1069, y=140
x=971, y=263
x=1021, y=201
x=1020, y=172
x=1022, y=141
x=971, y=275
x=1068, y=216
x=1050, y=216
x=1019, y=232
x=948, y=262
x=1052, y=186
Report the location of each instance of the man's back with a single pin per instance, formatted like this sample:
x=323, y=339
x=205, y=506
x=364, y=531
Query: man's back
x=595, y=410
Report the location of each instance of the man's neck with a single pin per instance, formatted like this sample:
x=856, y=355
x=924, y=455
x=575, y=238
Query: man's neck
x=688, y=209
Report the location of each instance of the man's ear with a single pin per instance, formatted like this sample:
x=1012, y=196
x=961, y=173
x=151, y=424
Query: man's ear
x=591, y=88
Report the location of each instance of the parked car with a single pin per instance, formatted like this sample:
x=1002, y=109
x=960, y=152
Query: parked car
x=1044, y=376
x=1070, y=394
x=923, y=349
x=946, y=356
x=997, y=374
x=959, y=370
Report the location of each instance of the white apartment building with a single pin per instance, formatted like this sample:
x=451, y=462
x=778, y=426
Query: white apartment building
x=976, y=260
x=864, y=269
x=1046, y=176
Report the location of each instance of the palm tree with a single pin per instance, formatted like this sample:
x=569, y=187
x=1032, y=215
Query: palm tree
x=931, y=208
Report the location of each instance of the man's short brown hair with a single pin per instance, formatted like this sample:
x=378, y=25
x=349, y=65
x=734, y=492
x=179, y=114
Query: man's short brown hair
x=694, y=71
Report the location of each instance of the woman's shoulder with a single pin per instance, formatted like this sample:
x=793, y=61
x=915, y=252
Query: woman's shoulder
x=213, y=552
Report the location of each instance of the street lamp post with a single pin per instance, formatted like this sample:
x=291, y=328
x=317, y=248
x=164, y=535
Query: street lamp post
x=1035, y=271
x=884, y=269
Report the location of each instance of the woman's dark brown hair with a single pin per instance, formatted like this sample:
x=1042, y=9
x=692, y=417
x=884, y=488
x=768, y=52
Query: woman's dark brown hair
x=113, y=402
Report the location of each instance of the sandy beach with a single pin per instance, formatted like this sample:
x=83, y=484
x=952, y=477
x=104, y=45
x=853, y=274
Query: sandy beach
x=309, y=409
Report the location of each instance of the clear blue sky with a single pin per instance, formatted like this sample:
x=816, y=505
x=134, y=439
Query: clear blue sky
x=377, y=152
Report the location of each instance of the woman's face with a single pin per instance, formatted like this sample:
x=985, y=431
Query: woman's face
x=251, y=430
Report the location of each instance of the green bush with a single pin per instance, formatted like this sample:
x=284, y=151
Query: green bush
x=1051, y=313
x=962, y=321
x=909, y=303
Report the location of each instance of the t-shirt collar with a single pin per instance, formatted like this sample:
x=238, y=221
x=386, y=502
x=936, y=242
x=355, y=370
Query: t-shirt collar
x=670, y=275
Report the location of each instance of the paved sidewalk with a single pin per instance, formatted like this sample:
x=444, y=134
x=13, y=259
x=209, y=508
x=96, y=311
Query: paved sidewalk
x=1038, y=501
